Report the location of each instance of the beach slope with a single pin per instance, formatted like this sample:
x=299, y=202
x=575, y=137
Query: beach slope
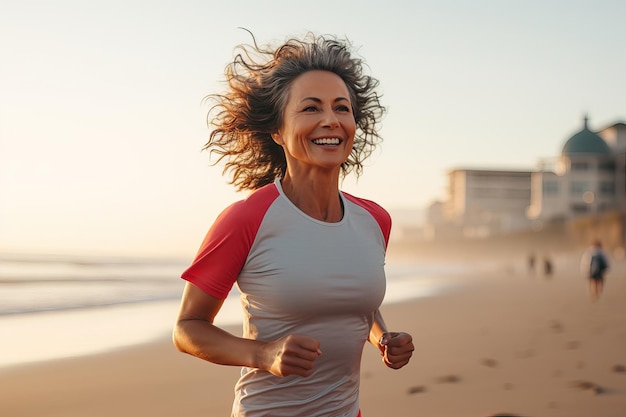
x=507, y=342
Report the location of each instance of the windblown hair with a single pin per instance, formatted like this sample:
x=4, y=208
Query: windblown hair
x=259, y=79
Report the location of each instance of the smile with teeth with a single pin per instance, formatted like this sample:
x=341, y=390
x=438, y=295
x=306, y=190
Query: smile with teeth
x=327, y=141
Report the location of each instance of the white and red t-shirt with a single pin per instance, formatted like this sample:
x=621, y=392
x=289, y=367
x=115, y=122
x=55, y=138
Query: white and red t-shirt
x=299, y=275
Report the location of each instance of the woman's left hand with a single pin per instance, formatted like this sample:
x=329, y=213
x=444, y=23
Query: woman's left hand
x=396, y=349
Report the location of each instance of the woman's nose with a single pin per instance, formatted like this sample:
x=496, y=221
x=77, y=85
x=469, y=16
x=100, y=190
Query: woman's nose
x=330, y=119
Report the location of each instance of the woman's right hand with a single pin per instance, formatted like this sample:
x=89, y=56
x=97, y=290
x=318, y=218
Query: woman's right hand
x=290, y=355
x=196, y=334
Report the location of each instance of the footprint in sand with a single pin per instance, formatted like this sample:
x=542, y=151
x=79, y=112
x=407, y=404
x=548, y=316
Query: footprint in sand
x=491, y=363
x=556, y=326
x=589, y=386
x=448, y=379
x=417, y=389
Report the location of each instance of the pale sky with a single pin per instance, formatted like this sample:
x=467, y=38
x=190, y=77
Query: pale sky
x=102, y=121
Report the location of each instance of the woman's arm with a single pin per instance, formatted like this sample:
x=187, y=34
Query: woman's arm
x=195, y=334
x=379, y=328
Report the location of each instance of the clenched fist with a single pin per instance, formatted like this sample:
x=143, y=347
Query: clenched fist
x=290, y=355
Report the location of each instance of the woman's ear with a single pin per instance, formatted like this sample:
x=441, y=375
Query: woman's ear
x=277, y=138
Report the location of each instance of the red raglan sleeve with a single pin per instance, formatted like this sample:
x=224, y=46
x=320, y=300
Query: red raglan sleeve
x=225, y=248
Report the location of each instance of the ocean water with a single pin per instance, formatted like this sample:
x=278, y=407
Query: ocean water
x=60, y=306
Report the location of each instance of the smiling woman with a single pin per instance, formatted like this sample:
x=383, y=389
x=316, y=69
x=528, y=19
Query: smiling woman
x=245, y=117
x=308, y=259
x=317, y=135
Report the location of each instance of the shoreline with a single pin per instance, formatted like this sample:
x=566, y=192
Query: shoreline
x=71, y=332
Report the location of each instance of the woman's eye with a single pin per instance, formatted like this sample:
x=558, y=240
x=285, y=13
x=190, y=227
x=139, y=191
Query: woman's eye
x=310, y=109
x=343, y=108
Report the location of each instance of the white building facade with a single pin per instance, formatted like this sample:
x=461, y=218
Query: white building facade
x=484, y=202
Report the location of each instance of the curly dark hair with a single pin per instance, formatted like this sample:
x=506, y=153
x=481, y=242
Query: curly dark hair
x=259, y=79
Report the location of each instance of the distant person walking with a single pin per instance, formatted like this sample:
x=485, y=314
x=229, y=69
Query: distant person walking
x=594, y=264
x=531, y=263
x=548, y=268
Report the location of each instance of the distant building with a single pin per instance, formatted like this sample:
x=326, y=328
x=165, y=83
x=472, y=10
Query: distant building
x=589, y=177
x=483, y=202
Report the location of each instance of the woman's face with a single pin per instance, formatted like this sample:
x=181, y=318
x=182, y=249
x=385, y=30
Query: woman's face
x=318, y=127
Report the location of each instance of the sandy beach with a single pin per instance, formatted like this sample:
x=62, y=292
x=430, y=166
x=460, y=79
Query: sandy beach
x=510, y=343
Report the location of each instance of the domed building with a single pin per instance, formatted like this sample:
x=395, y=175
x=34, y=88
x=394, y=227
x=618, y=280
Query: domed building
x=588, y=177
